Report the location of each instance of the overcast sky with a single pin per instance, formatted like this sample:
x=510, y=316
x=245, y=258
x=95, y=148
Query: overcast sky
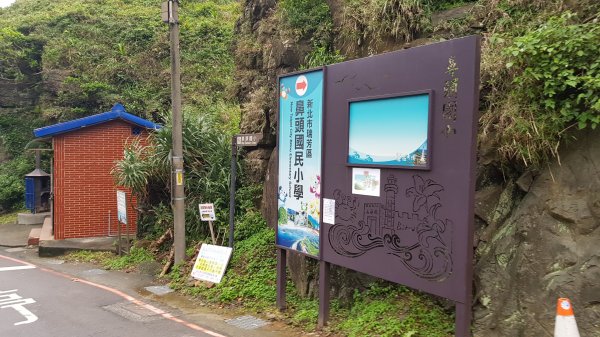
x=6, y=3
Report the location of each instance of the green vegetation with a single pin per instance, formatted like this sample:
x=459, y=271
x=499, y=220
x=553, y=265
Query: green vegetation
x=382, y=310
x=555, y=71
x=88, y=256
x=311, y=20
x=395, y=311
x=111, y=261
x=93, y=54
x=207, y=149
x=440, y=5
x=130, y=260
x=250, y=280
x=12, y=183
x=10, y=218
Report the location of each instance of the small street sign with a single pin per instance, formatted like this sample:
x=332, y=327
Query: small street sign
x=207, y=212
x=121, y=207
x=251, y=139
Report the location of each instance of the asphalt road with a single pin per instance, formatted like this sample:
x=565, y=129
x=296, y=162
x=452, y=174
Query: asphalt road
x=39, y=302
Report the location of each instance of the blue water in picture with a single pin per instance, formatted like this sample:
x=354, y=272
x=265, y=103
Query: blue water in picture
x=300, y=238
x=416, y=158
x=390, y=131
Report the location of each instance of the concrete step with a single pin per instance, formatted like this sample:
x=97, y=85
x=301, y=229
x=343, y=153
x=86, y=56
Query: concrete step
x=34, y=237
x=46, y=233
x=32, y=219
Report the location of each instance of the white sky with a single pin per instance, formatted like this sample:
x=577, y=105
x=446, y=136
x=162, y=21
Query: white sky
x=6, y=3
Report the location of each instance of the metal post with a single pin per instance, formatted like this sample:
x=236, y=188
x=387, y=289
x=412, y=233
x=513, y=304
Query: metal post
x=119, y=242
x=179, y=195
x=281, y=278
x=323, y=294
x=232, y=189
x=37, y=159
x=463, y=320
x=212, y=233
x=127, y=236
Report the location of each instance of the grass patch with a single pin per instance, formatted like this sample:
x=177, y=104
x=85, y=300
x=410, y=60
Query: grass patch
x=10, y=218
x=87, y=256
x=381, y=310
x=390, y=310
x=111, y=261
x=250, y=280
x=131, y=260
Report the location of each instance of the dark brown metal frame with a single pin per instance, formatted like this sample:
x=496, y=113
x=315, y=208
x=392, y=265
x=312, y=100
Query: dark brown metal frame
x=461, y=47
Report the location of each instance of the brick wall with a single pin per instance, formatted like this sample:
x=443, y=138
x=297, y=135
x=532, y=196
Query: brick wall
x=84, y=189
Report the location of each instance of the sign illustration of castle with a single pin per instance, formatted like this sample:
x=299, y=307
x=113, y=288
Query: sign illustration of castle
x=384, y=219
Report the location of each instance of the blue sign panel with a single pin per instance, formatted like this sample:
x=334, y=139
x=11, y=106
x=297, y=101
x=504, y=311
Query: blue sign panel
x=300, y=134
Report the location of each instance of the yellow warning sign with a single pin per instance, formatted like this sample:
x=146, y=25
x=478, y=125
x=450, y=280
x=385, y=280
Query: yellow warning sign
x=179, y=177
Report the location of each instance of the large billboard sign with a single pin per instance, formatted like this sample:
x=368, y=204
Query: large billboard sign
x=299, y=144
x=398, y=171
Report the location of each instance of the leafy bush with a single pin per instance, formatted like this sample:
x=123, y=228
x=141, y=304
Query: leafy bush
x=310, y=18
x=321, y=56
x=207, y=155
x=12, y=183
x=555, y=71
x=19, y=54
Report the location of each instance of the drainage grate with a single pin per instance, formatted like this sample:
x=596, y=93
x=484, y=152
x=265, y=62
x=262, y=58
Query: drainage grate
x=247, y=322
x=133, y=312
x=159, y=290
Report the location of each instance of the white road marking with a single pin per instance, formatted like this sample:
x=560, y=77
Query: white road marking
x=10, y=299
x=16, y=268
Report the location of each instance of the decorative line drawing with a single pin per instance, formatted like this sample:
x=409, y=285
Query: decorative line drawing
x=421, y=240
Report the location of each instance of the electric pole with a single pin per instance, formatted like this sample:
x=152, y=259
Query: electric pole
x=170, y=16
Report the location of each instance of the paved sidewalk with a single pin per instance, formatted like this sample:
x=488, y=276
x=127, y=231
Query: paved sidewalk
x=15, y=235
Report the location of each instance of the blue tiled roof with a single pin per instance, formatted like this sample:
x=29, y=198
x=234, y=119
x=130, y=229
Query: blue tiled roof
x=117, y=112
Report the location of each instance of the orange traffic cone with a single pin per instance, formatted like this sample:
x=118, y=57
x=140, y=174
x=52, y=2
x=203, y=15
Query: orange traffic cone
x=566, y=326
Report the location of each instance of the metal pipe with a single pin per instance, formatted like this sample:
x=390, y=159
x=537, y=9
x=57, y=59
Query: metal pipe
x=232, y=189
x=109, y=222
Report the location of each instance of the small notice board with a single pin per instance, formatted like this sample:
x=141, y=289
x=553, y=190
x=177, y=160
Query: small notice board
x=122, y=207
x=211, y=263
x=207, y=212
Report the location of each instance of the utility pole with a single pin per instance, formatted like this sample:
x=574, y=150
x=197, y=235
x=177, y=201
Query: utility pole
x=170, y=16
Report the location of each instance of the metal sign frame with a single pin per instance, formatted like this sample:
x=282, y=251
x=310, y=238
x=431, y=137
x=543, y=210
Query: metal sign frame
x=420, y=228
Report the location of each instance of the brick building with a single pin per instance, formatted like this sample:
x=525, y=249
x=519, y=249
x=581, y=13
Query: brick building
x=85, y=151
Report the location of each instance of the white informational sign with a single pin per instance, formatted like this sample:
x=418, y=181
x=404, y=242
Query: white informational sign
x=329, y=211
x=122, y=207
x=366, y=181
x=211, y=263
x=207, y=212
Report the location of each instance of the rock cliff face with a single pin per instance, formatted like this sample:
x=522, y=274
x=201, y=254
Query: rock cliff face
x=547, y=248
x=263, y=52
